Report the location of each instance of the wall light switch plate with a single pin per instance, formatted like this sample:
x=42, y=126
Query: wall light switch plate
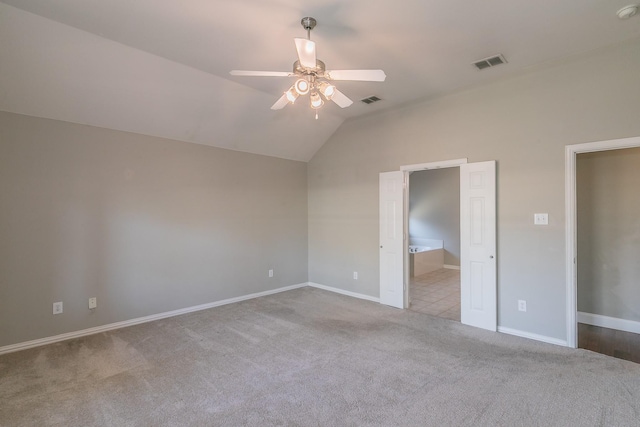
x=355, y=275
x=270, y=273
x=541, y=219
x=93, y=302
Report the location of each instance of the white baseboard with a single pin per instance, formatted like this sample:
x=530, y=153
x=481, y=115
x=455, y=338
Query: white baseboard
x=111, y=326
x=343, y=292
x=533, y=336
x=452, y=267
x=609, y=322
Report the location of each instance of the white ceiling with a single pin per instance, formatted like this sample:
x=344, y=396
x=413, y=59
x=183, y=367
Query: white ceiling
x=161, y=67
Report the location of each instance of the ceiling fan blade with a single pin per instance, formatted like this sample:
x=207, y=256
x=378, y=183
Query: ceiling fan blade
x=280, y=103
x=341, y=99
x=306, y=52
x=357, y=75
x=260, y=73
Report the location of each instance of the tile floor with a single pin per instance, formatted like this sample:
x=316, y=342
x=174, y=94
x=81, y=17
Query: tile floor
x=436, y=293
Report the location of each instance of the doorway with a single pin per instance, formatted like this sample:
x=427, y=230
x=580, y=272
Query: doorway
x=478, y=284
x=434, y=242
x=606, y=319
x=608, y=247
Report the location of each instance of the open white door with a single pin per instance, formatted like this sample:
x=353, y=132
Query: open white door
x=478, y=306
x=392, y=239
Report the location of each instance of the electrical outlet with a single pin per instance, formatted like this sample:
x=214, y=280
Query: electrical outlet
x=93, y=303
x=57, y=307
x=541, y=219
x=355, y=275
x=522, y=305
x=271, y=273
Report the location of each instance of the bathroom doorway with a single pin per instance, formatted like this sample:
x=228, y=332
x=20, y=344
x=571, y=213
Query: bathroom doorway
x=478, y=261
x=434, y=242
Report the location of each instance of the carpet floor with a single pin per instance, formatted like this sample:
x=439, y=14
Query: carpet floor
x=308, y=357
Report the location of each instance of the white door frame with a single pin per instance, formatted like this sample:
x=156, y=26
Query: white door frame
x=571, y=152
x=416, y=168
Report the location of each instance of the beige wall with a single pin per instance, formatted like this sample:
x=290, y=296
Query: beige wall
x=144, y=224
x=608, y=208
x=524, y=123
x=434, y=209
x=149, y=225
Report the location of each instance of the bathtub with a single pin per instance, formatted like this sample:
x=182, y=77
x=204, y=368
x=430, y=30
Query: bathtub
x=414, y=249
x=424, y=259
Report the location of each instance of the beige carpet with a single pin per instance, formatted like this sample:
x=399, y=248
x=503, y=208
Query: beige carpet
x=312, y=358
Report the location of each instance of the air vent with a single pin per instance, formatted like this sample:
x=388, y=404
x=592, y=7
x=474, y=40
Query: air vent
x=371, y=99
x=492, y=61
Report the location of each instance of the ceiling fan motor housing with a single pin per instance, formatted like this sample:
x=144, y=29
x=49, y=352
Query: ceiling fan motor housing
x=318, y=71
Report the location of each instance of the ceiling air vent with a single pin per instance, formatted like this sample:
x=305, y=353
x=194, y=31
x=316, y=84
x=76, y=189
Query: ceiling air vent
x=492, y=61
x=371, y=99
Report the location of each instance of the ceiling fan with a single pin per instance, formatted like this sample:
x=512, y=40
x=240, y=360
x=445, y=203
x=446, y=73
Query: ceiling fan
x=313, y=77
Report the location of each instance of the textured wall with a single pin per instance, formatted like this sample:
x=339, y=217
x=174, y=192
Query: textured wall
x=608, y=206
x=434, y=209
x=144, y=224
x=524, y=124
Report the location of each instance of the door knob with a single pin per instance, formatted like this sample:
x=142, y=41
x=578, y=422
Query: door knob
x=490, y=256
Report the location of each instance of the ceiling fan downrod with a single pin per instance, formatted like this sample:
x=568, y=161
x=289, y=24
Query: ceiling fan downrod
x=308, y=23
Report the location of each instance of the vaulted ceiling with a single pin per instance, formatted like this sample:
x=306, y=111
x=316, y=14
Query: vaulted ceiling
x=161, y=67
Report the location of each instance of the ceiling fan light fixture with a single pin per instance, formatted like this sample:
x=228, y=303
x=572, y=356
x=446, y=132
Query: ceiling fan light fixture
x=312, y=77
x=327, y=90
x=315, y=100
x=302, y=86
x=291, y=94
